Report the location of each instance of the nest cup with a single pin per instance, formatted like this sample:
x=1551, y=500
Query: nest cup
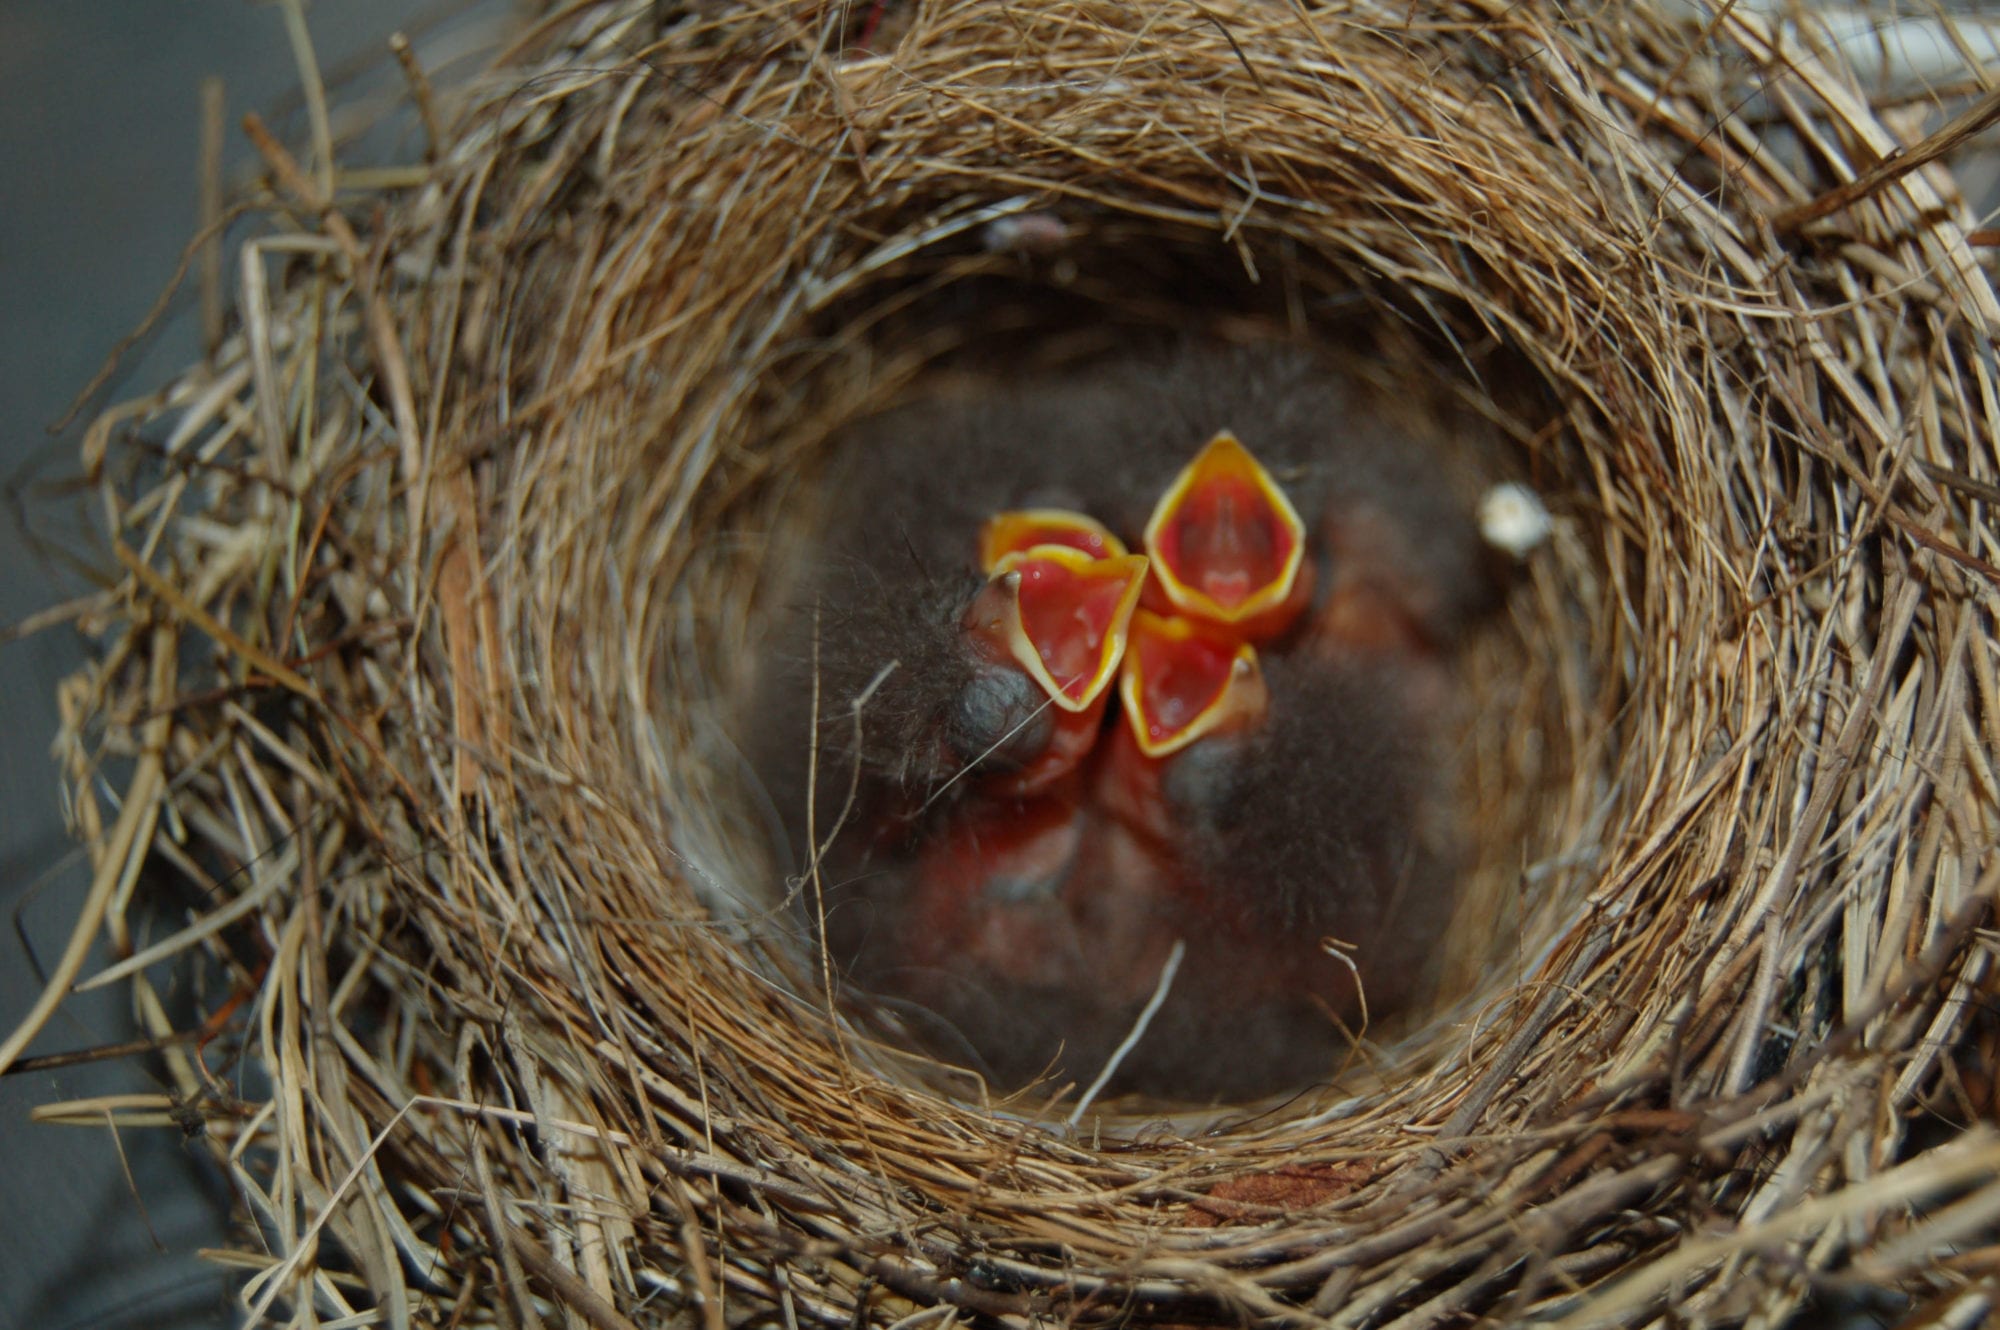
x=440, y=615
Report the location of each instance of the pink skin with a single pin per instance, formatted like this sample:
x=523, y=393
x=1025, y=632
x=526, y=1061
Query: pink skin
x=1067, y=876
x=1079, y=895
x=1026, y=899
x=1047, y=896
x=982, y=898
x=1073, y=735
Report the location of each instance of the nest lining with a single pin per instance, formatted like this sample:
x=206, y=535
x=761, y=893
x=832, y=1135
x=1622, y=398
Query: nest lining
x=473, y=517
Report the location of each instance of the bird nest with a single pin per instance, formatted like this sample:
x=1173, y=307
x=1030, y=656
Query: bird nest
x=439, y=583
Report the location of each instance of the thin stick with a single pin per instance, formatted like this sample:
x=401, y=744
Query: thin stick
x=121, y=858
x=42, y=620
x=101, y=1053
x=572, y=1292
x=209, y=211
x=1973, y=120
x=177, y=601
x=854, y=774
x=420, y=93
x=314, y=88
x=1137, y=1032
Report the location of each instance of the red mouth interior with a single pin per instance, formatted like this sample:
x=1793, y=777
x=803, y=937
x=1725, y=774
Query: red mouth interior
x=1225, y=540
x=1070, y=616
x=1179, y=679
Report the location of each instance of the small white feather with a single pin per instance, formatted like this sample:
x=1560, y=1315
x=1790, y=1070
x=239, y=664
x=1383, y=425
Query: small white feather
x=1512, y=518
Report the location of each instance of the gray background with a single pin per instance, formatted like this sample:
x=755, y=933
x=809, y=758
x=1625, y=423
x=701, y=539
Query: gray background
x=98, y=155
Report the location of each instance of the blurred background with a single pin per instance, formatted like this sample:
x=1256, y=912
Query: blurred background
x=100, y=155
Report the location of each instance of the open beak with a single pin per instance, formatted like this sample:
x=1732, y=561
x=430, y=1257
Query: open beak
x=1021, y=529
x=1184, y=679
x=1227, y=545
x=1061, y=615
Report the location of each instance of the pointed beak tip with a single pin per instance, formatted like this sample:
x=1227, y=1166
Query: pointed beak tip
x=1068, y=618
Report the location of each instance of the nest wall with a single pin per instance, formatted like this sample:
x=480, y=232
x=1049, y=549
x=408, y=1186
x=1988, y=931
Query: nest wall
x=444, y=584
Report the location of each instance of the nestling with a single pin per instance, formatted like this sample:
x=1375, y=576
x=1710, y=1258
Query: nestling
x=1023, y=844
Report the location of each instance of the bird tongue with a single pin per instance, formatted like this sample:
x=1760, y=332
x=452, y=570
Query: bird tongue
x=1226, y=543
x=1070, y=617
x=1225, y=540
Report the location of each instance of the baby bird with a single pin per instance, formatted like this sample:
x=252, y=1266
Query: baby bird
x=1017, y=867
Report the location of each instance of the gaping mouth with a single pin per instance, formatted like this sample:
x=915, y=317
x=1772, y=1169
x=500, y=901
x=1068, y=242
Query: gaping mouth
x=1226, y=543
x=1061, y=615
x=1183, y=679
x=1021, y=529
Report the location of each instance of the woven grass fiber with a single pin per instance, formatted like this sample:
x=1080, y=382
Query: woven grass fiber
x=439, y=586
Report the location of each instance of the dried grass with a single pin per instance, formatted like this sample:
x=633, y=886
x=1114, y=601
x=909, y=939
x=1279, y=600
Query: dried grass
x=443, y=578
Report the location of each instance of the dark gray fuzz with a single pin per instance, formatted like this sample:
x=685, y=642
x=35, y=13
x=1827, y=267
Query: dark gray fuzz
x=904, y=693
x=1321, y=819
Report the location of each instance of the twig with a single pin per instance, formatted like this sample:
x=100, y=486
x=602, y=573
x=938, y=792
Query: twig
x=420, y=93
x=1171, y=968
x=1973, y=120
x=209, y=208
x=178, y=602
x=569, y=1290
x=120, y=857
